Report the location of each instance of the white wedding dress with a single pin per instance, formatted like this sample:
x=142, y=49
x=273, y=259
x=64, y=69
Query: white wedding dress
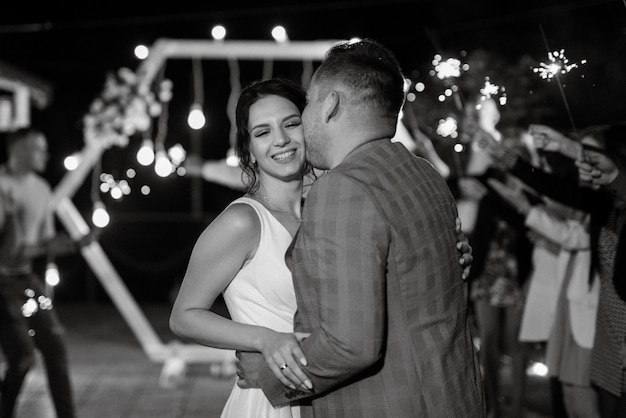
x=262, y=294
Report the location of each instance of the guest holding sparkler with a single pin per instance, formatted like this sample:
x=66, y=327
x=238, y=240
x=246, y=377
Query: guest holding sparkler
x=501, y=256
x=602, y=193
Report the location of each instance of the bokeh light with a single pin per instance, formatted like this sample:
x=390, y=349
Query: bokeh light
x=141, y=52
x=71, y=162
x=279, y=33
x=218, y=32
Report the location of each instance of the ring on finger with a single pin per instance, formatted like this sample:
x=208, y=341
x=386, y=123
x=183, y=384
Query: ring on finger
x=283, y=366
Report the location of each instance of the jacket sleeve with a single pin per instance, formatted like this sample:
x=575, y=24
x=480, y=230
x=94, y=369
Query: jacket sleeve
x=340, y=251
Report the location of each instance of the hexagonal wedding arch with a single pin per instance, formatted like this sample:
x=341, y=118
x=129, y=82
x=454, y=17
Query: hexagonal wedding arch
x=96, y=258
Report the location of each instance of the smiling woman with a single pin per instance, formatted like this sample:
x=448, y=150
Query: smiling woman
x=241, y=254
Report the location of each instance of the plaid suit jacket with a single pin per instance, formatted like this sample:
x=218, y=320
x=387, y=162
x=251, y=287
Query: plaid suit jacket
x=378, y=286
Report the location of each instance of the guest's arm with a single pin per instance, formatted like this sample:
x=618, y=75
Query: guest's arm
x=599, y=170
x=548, y=139
x=564, y=190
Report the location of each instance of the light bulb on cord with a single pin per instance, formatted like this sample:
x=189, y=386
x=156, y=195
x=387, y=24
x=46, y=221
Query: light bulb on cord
x=231, y=158
x=145, y=155
x=280, y=34
x=52, y=274
x=218, y=32
x=116, y=192
x=177, y=154
x=100, y=216
x=196, y=118
x=52, y=279
x=163, y=165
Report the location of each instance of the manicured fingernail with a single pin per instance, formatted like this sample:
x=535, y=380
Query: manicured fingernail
x=292, y=387
x=308, y=384
x=303, y=362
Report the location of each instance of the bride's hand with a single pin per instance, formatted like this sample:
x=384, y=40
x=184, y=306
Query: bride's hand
x=285, y=358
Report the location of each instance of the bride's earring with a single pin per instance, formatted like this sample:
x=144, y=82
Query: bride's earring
x=252, y=159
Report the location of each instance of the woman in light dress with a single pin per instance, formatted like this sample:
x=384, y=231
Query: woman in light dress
x=241, y=253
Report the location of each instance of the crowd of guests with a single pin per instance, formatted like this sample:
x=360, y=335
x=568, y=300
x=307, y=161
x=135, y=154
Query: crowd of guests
x=545, y=212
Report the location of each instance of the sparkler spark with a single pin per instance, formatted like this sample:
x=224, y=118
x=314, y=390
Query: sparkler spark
x=447, y=127
x=448, y=68
x=490, y=90
x=447, y=71
x=559, y=64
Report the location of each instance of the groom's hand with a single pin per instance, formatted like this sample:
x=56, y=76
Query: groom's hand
x=248, y=367
x=465, y=249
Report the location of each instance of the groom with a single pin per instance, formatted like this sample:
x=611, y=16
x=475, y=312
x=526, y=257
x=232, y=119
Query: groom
x=374, y=264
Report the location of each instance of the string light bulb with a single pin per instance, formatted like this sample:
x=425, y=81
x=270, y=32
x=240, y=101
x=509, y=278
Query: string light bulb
x=196, y=118
x=100, y=216
x=232, y=160
x=279, y=33
x=163, y=165
x=116, y=192
x=52, y=275
x=145, y=155
x=218, y=32
x=177, y=154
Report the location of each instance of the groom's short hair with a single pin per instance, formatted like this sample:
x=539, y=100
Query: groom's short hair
x=369, y=70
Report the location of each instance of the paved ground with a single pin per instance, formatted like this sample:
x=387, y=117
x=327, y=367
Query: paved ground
x=113, y=378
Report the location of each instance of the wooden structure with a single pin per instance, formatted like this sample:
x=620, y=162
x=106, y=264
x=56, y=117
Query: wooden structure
x=18, y=91
x=174, y=354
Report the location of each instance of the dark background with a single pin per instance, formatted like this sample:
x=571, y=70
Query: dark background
x=150, y=237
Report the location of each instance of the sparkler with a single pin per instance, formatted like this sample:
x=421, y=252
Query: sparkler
x=447, y=70
x=447, y=127
x=559, y=66
x=490, y=90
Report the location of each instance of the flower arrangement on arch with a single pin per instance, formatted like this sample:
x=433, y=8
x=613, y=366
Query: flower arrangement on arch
x=125, y=107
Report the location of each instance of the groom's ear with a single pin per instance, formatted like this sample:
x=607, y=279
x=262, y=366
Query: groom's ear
x=331, y=105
